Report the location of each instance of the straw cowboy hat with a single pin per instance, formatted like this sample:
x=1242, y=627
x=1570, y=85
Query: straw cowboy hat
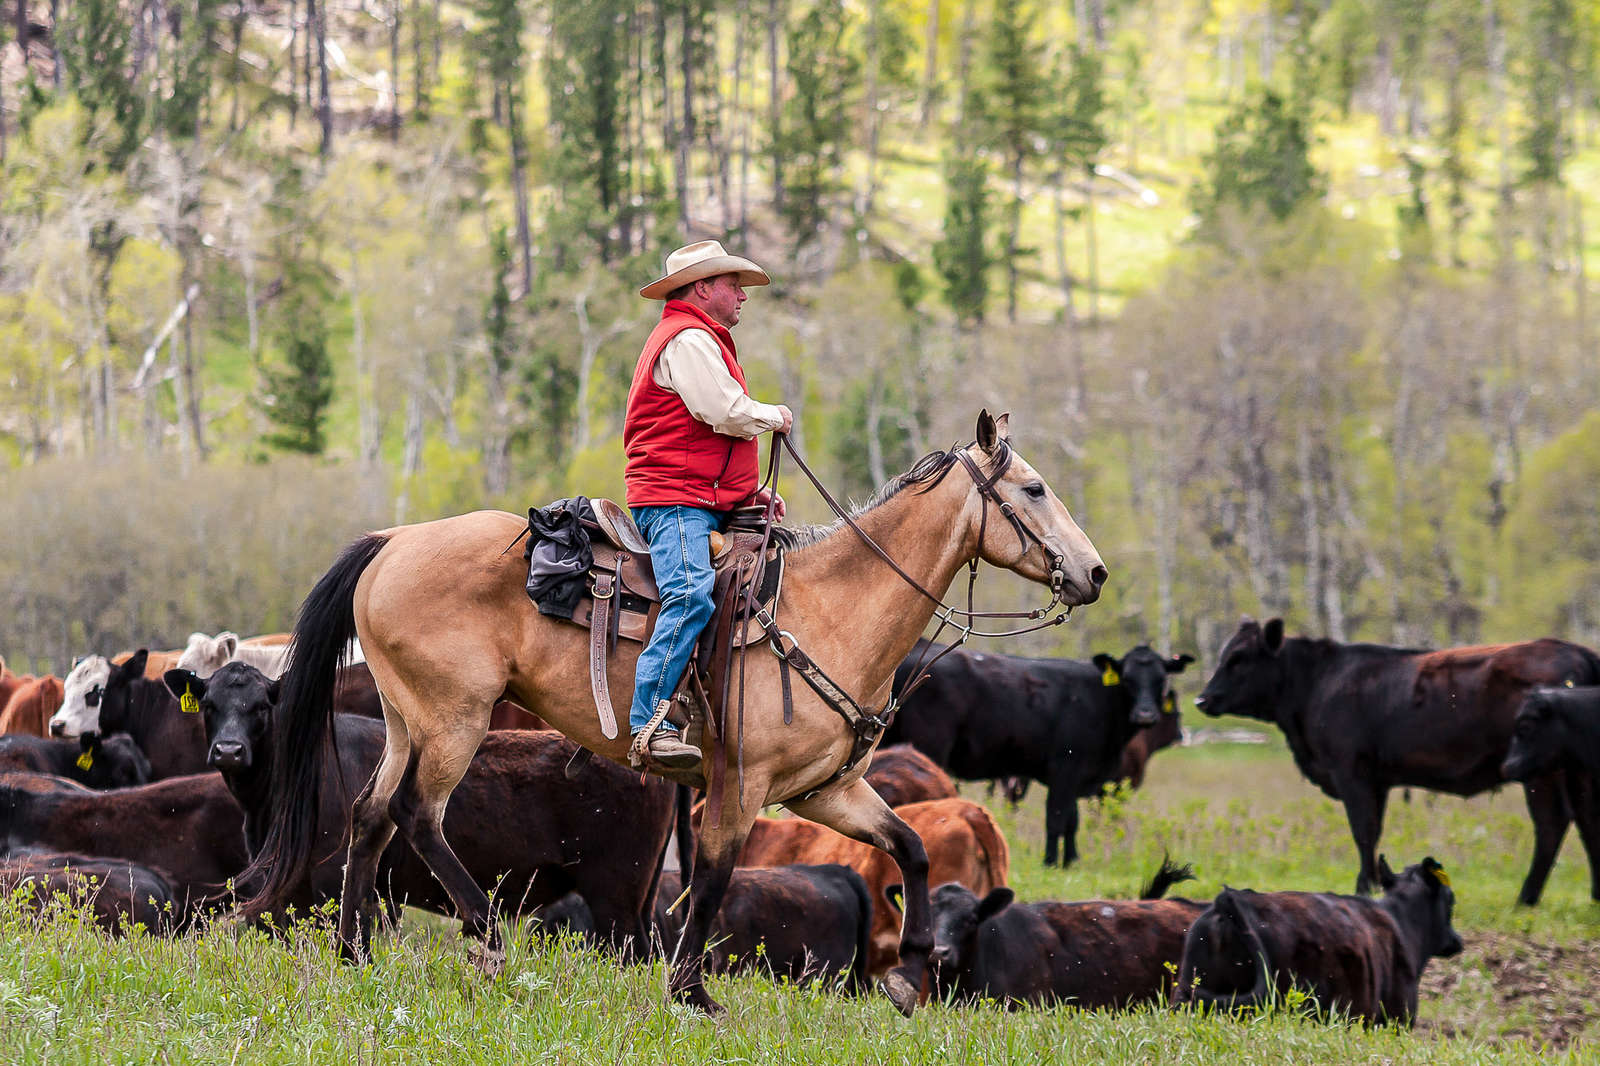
x=702, y=259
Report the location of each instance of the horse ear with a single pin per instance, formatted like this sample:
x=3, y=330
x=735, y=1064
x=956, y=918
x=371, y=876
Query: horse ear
x=180, y=681
x=987, y=434
x=896, y=896
x=1002, y=426
x=1272, y=635
x=1176, y=664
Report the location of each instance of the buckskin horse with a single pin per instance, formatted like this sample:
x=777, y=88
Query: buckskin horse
x=448, y=630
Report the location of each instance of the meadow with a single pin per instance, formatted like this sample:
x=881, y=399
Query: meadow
x=1521, y=992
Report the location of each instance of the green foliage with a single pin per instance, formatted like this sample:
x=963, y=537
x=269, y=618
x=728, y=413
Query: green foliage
x=1075, y=124
x=817, y=117
x=95, y=38
x=1549, y=63
x=584, y=75
x=192, y=58
x=962, y=255
x=1552, y=538
x=295, y=396
x=1261, y=161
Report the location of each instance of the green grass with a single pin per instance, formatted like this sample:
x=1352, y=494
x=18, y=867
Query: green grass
x=1241, y=814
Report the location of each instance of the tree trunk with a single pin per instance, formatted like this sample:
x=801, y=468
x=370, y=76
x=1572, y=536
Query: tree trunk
x=394, y=70
x=930, y=66
x=419, y=95
x=686, y=129
x=775, y=100
x=1013, y=235
x=294, y=70
x=190, y=370
x=1090, y=234
x=324, y=104
x=519, y=188
x=742, y=37
x=874, y=121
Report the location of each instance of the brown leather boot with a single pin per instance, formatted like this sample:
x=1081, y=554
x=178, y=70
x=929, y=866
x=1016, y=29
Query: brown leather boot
x=669, y=750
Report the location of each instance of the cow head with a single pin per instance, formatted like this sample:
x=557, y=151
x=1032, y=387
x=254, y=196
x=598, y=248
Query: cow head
x=204, y=656
x=1142, y=675
x=1250, y=673
x=116, y=761
x=236, y=704
x=957, y=914
x=85, y=687
x=1422, y=899
x=1541, y=737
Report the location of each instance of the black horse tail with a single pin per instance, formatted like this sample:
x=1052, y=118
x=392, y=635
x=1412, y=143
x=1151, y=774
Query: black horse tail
x=685, y=832
x=1170, y=874
x=302, y=728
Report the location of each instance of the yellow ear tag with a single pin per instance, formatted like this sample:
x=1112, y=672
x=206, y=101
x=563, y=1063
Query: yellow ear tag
x=187, y=703
x=1569, y=682
x=1171, y=706
x=1110, y=679
x=1440, y=876
x=86, y=760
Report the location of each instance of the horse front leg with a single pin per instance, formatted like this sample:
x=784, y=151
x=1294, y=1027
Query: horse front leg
x=716, y=852
x=860, y=813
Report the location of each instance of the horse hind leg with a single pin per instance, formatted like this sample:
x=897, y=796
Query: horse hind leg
x=860, y=813
x=371, y=829
x=437, y=765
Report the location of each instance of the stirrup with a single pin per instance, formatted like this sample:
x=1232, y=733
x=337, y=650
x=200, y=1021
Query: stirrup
x=639, y=750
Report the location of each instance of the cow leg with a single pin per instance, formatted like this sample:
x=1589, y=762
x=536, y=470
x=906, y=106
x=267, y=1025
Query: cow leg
x=1061, y=824
x=1547, y=805
x=1363, y=806
x=1583, y=800
x=371, y=829
x=437, y=765
x=860, y=814
x=716, y=852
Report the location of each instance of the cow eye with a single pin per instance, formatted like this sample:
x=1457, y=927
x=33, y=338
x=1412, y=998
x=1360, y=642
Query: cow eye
x=92, y=697
x=1035, y=490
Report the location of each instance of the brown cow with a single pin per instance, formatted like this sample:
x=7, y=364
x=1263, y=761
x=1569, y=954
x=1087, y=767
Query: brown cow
x=901, y=774
x=1146, y=742
x=9, y=683
x=1362, y=719
x=31, y=706
x=963, y=842
x=1359, y=956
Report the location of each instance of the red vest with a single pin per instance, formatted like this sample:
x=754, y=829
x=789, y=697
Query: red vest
x=674, y=457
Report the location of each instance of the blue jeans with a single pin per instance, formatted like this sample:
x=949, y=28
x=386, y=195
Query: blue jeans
x=680, y=551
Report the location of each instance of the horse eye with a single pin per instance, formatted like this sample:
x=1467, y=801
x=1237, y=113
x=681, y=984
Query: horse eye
x=1036, y=490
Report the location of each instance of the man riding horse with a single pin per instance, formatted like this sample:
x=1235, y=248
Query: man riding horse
x=690, y=436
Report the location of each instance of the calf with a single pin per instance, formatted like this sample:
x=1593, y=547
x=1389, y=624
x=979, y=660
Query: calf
x=901, y=774
x=523, y=831
x=1146, y=742
x=1555, y=729
x=1354, y=955
x=119, y=895
x=1361, y=719
x=798, y=922
x=205, y=655
x=189, y=827
x=1060, y=722
x=961, y=838
x=1090, y=953
x=32, y=703
x=100, y=763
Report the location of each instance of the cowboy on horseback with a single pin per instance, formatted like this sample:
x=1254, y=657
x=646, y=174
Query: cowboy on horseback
x=690, y=436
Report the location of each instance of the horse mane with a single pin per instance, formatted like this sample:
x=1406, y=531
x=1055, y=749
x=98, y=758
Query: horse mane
x=926, y=472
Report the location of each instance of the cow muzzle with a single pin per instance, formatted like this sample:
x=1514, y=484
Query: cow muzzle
x=228, y=755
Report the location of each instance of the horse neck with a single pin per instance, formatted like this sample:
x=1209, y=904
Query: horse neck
x=865, y=608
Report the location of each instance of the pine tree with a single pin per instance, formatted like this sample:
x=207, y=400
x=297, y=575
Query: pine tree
x=296, y=395
x=1261, y=160
x=95, y=60
x=1012, y=95
x=962, y=254
x=584, y=74
x=500, y=45
x=817, y=124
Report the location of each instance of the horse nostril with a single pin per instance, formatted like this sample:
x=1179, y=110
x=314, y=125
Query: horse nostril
x=1098, y=575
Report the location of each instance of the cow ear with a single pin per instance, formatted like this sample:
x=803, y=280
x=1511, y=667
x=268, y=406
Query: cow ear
x=1110, y=669
x=134, y=667
x=227, y=644
x=1434, y=874
x=179, y=682
x=1176, y=664
x=1272, y=635
x=896, y=896
x=994, y=903
x=1386, y=876
x=986, y=434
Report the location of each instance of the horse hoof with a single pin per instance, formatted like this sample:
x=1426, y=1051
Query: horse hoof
x=697, y=999
x=901, y=992
x=488, y=961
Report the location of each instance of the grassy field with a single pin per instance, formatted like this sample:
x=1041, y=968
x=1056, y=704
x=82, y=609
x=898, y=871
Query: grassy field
x=1522, y=992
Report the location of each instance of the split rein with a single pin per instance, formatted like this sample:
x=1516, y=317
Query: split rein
x=1045, y=616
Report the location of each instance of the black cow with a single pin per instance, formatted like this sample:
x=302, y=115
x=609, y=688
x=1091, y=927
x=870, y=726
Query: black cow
x=1088, y=953
x=143, y=708
x=1556, y=728
x=1364, y=718
x=522, y=829
x=1360, y=956
x=116, y=894
x=93, y=760
x=799, y=922
x=1057, y=721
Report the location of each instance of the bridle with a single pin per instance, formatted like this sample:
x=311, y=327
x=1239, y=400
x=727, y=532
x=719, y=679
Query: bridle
x=946, y=613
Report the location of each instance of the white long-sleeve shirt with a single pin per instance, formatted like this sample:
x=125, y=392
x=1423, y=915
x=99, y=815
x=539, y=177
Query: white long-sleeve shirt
x=691, y=365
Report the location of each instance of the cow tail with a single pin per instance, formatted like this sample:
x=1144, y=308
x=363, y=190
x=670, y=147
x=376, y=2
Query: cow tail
x=1168, y=875
x=302, y=727
x=1232, y=913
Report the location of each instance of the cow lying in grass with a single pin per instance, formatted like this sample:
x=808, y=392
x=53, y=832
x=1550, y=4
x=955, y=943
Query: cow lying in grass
x=118, y=895
x=1089, y=953
x=795, y=922
x=1352, y=955
x=92, y=760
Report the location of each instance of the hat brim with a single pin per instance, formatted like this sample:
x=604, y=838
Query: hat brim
x=749, y=275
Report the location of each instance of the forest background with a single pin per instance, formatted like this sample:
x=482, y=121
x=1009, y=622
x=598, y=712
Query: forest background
x=1289, y=299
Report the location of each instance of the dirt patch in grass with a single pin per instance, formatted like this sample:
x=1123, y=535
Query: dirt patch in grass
x=1512, y=988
